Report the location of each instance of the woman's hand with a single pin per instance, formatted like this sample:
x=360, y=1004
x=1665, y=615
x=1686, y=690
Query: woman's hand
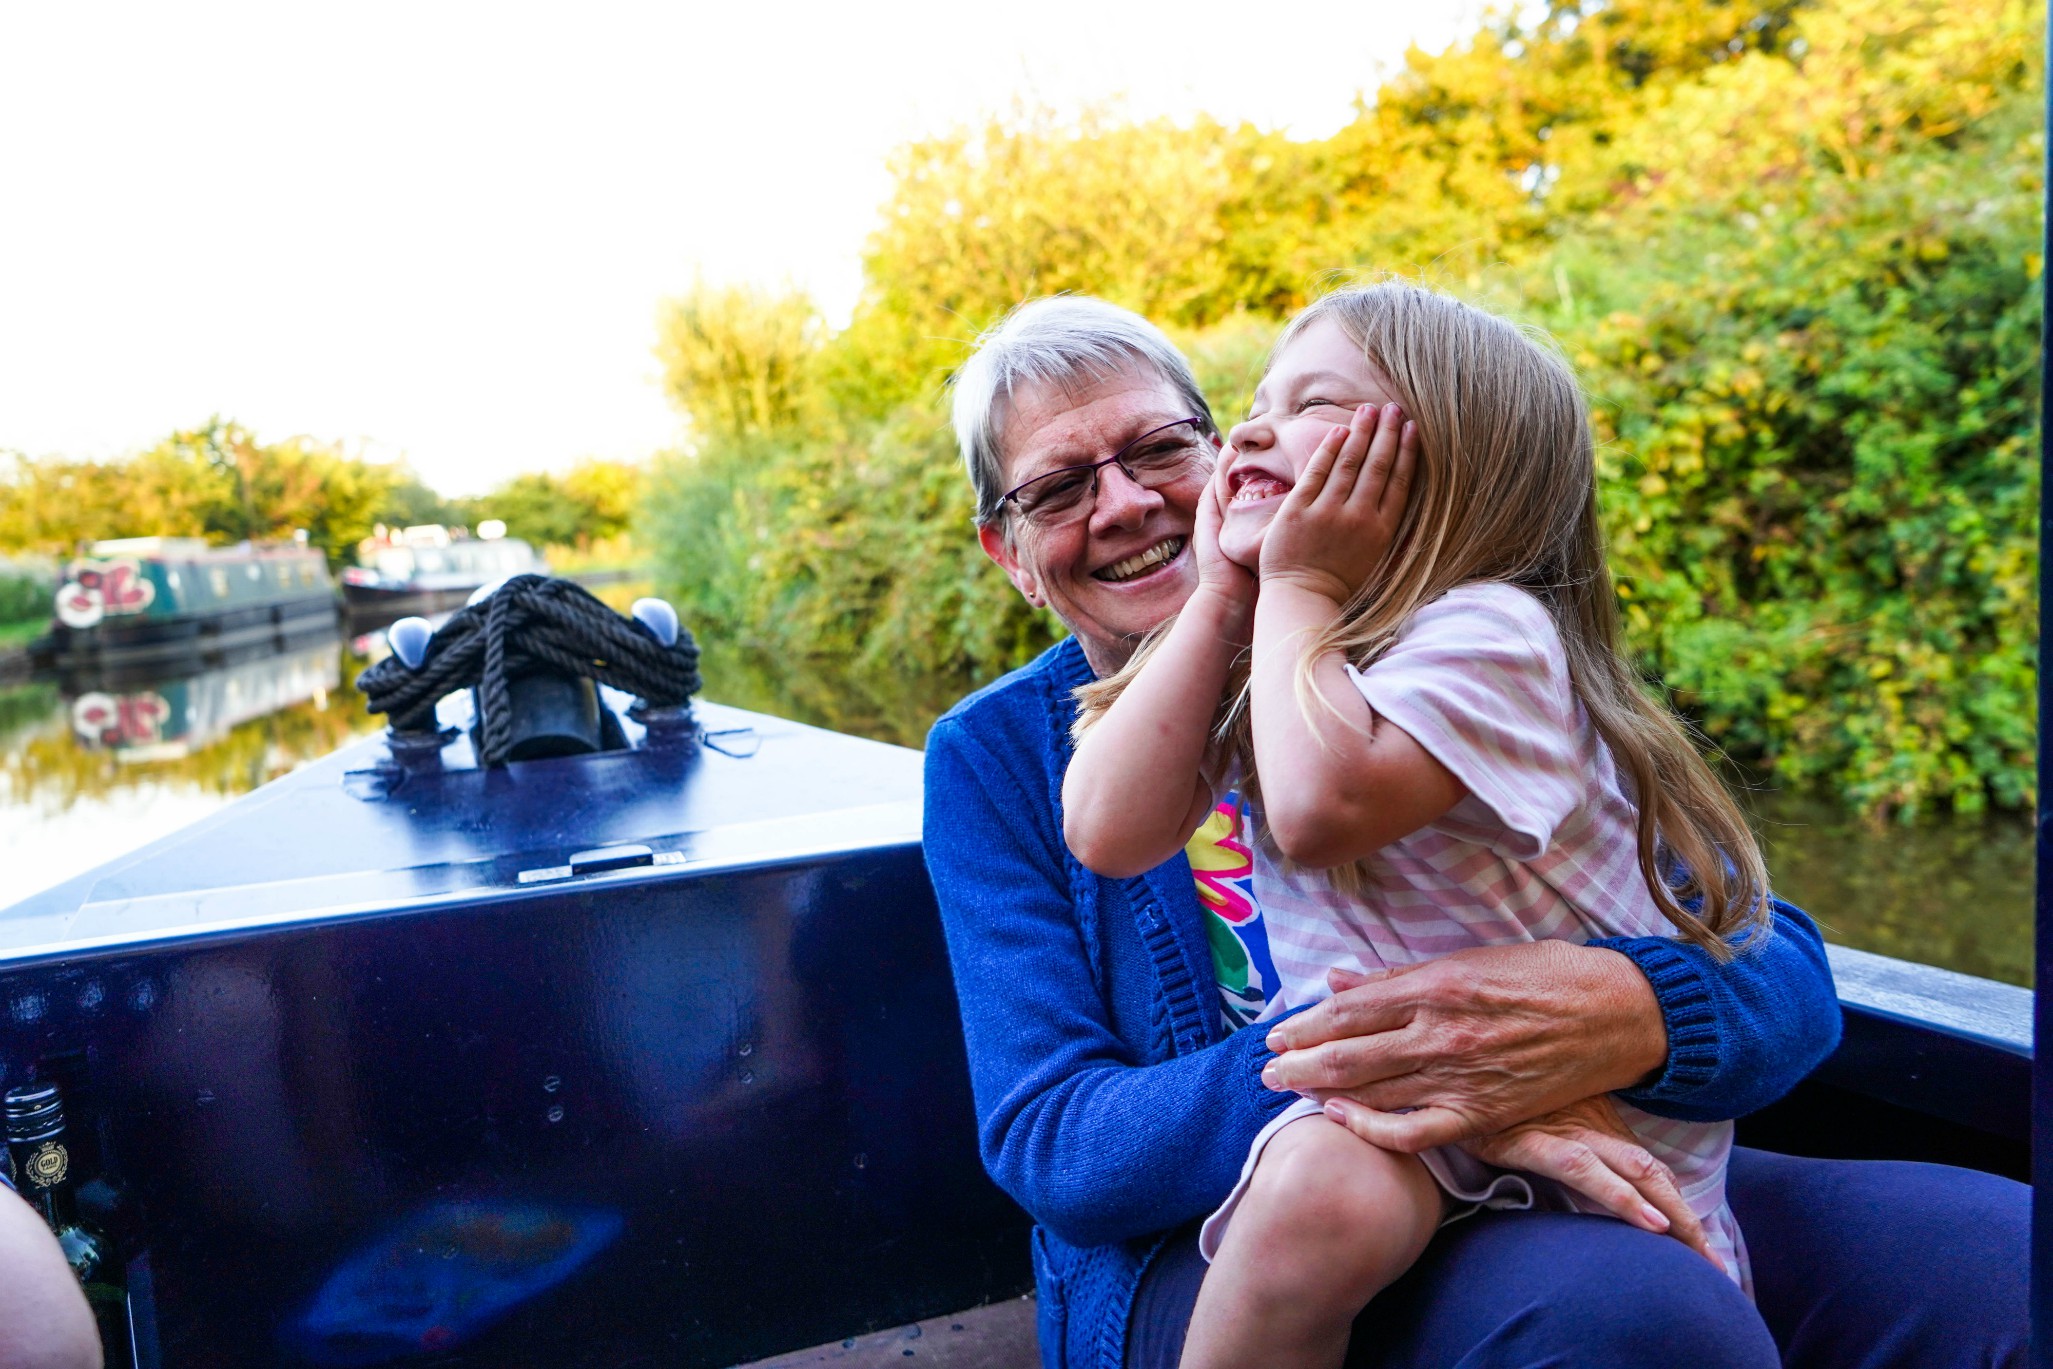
x=1227, y=581
x=1340, y=519
x=1476, y=1042
x=1587, y=1147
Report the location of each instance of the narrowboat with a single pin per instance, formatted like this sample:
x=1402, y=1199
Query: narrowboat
x=640, y=1052
x=429, y=569
x=157, y=603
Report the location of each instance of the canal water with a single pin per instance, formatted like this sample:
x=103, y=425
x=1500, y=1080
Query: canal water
x=87, y=774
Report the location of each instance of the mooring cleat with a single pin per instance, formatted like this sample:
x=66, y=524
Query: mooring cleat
x=409, y=640
x=657, y=618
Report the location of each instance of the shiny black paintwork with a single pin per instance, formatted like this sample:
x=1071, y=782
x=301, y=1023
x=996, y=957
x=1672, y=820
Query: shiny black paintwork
x=318, y=1012
x=300, y=1033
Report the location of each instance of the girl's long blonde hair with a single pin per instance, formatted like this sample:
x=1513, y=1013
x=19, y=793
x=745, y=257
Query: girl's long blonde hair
x=1505, y=491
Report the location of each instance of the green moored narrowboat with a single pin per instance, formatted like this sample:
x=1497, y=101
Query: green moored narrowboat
x=156, y=602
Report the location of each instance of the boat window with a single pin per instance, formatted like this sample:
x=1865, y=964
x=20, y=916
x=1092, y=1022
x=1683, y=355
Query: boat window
x=429, y=560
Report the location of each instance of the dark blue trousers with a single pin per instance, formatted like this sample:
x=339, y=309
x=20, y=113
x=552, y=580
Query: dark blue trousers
x=1857, y=1265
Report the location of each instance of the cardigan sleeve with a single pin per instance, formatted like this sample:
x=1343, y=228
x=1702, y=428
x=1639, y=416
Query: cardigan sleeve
x=1096, y=1144
x=1741, y=1033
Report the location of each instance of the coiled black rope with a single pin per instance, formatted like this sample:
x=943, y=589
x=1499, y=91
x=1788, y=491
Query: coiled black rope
x=530, y=621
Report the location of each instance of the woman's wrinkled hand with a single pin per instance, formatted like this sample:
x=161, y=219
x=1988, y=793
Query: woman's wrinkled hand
x=1587, y=1147
x=1337, y=525
x=1474, y=1042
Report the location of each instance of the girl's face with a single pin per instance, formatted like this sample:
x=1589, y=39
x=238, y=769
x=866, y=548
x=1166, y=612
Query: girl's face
x=1313, y=386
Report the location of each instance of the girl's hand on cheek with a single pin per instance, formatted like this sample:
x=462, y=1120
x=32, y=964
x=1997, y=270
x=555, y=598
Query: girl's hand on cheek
x=1337, y=526
x=1233, y=584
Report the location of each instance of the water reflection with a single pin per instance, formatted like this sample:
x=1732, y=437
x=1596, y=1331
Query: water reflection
x=92, y=767
x=160, y=720
x=1956, y=893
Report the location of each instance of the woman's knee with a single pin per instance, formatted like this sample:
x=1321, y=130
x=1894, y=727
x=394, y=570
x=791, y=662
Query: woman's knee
x=1877, y=1262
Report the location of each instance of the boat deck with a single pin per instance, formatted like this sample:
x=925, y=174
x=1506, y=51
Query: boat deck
x=667, y=1033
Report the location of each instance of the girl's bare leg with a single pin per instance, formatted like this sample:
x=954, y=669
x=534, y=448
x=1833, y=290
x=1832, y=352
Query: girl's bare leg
x=1327, y=1222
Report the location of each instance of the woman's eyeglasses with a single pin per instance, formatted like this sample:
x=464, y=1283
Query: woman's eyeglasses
x=1158, y=457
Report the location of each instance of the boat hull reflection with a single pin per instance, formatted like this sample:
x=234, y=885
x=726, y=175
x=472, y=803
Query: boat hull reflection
x=168, y=719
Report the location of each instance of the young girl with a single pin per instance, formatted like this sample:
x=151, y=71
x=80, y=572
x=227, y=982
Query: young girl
x=1442, y=748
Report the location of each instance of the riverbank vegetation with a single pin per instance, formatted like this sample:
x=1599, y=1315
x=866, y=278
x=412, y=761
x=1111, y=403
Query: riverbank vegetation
x=220, y=483
x=1793, y=250
x=25, y=590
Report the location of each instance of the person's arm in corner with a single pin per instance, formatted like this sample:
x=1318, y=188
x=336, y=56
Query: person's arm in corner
x=44, y=1320
x=1094, y=1144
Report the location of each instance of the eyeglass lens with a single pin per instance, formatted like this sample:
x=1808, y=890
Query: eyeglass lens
x=1151, y=460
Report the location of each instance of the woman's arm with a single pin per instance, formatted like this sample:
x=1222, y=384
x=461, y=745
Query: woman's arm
x=1094, y=1144
x=1742, y=1033
x=1486, y=1038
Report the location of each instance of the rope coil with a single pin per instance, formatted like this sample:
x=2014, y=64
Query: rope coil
x=531, y=622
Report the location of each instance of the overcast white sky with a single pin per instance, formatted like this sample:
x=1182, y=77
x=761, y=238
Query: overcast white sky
x=442, y=229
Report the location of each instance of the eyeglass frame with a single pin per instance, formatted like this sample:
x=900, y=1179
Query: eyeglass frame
x=1202, y=425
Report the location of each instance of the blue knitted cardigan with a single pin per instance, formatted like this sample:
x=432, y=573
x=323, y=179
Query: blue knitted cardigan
x=1111, y=1102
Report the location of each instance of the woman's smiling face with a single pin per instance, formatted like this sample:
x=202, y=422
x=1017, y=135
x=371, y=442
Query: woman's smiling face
x=1313, y=387
x=1116, y=573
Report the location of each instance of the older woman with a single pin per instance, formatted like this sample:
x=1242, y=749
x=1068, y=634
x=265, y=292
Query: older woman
x=1120, y=1074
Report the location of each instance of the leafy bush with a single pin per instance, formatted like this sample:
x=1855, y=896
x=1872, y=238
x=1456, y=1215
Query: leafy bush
x=25, y=591
x=1793, y=251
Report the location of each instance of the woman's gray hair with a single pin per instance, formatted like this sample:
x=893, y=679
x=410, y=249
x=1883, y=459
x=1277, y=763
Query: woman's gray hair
x=1066, y=340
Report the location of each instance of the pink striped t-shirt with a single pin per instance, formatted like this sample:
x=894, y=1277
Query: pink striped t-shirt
x=1543, y=848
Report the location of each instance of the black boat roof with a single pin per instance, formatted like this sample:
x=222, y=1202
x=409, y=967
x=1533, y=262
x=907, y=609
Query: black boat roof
x=341, y=838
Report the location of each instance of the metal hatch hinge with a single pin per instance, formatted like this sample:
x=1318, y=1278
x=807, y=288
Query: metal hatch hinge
x=600, y=859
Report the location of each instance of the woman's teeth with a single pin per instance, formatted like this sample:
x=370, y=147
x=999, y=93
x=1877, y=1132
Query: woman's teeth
x=1257, y=487
x=1164, y=550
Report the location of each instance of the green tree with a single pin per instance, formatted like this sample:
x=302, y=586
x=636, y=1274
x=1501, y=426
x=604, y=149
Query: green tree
x=215, y=481
x=1793, y=249
x=593, y=500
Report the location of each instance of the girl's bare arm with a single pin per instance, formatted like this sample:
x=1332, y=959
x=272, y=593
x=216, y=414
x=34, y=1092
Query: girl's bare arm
x=1338, y=783
x=1136, y=789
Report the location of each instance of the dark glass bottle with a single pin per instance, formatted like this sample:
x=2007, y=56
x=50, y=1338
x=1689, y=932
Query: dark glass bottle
x=43, y=1175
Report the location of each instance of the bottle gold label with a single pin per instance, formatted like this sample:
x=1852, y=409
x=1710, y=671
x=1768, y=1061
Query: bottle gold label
x=47, y=1164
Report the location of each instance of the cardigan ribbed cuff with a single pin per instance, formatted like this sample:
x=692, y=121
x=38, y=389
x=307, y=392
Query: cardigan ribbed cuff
x=1686, y=1013
x=1254, y=1041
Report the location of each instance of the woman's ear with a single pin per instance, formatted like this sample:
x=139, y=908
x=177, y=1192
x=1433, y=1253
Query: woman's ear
x=999, y=548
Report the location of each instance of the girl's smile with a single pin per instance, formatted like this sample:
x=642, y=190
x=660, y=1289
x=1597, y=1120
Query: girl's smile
x=1252, y=485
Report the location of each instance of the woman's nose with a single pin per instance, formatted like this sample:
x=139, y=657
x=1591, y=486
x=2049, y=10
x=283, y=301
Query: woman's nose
x=1122, y=501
